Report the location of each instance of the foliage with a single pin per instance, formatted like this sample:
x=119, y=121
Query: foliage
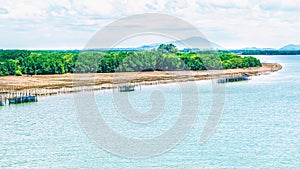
x=167, y=48
x=165, y=57
x=266, y=52
x=18, y=73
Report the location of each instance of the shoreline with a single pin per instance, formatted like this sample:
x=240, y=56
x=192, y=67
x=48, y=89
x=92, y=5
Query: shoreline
x=68, y=83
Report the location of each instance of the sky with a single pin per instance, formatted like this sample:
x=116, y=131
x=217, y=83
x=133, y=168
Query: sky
x=69, y=24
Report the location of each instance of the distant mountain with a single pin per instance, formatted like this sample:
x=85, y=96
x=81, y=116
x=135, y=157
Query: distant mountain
x=195, y=42
x=255, y=48
x=148, y=47
x=290, y=47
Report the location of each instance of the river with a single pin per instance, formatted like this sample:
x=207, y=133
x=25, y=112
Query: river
x=259, y=128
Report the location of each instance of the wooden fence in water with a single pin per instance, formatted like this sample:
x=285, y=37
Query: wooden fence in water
x=54, y=89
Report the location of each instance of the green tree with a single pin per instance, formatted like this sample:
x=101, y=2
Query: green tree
x=167, y=48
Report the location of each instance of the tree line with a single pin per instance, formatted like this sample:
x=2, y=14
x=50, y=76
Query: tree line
x=165, y=57
x=267, y=52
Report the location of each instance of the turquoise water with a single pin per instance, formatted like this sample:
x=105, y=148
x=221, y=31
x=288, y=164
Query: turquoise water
x=260, y=128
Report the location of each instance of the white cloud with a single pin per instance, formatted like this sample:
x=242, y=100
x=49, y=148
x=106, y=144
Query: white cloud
x=232, y=23
x=286, y=5
x=227, y=3
x=3, y=11
x=92, y=7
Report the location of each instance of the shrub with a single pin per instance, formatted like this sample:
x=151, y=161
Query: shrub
x=18, y=73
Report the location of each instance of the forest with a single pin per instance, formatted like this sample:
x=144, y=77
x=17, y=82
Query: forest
x=165, y=57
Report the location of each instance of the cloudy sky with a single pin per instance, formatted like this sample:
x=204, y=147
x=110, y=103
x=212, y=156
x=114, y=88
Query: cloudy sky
x=69, y=24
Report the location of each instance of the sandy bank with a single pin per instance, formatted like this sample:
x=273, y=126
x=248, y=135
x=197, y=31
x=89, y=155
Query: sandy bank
x=107, y=80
